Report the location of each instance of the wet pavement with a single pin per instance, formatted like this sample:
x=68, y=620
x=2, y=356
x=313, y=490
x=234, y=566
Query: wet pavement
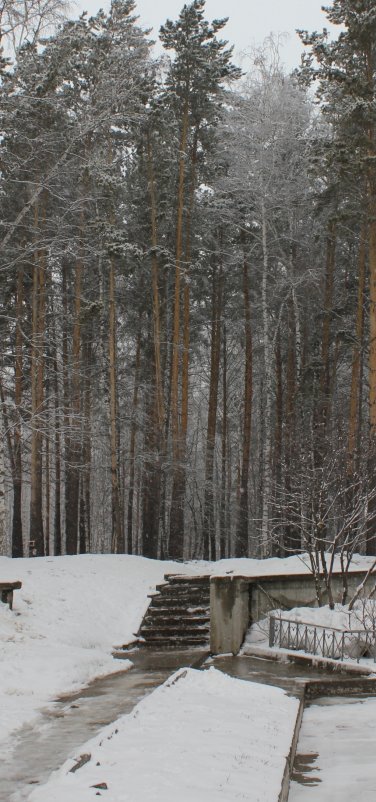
x=335, y=752
x=287, y=675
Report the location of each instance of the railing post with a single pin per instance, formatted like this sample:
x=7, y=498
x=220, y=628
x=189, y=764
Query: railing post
x=271, y=631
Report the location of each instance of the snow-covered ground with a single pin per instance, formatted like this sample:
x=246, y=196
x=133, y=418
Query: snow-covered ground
x=200, y=737
x=66, y=619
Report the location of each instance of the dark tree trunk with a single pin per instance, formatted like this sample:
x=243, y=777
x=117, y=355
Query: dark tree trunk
x=209, y=525
x=243, y=513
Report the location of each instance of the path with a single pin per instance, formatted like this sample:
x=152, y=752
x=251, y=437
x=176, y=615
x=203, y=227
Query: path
x=335, y=759
x=69, y=722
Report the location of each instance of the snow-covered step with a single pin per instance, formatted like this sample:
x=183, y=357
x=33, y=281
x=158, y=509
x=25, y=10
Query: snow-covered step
x=179, y=613
x=179, y=603
x=175, y=620
x=172, y=633
x=181, y=588
x=177, y=642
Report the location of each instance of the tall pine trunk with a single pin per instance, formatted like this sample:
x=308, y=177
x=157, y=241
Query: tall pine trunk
x=132, y=447
x=267, y=412
x=325, y=377
x=215, y=356
x=57, y=424
x=117, y=543
x=36, y=533
x=73, y=436
x=3, y=532
x=371, y=537
x=176, y=542
x=355, y=388
x=224, y=528
x=17, y=538
x=155, y=412
x=243, y=511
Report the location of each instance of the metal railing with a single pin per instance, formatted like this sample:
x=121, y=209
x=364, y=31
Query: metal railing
x=337, y=644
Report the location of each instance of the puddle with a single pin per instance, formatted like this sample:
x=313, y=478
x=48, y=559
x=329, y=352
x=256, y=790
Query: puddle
x=289, y=676
x=304, y=765
x=68, y=722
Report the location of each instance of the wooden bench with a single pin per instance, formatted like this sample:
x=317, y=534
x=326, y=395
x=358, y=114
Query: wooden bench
x=6, y=591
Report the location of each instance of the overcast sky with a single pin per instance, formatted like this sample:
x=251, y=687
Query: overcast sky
x=250, y=21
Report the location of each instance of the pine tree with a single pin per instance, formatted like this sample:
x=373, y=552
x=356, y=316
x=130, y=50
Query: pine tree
x=193, y=84
x=346, y=87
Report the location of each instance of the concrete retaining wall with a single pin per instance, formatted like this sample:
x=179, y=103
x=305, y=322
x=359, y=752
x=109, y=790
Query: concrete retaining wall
x=229, y=614
x=236, y=602
x=286, y=592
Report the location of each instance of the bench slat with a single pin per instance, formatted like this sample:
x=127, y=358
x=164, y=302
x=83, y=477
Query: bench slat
x=10, y=585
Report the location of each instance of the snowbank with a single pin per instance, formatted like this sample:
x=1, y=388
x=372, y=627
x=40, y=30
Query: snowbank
x=200, y=736
x=66, y=619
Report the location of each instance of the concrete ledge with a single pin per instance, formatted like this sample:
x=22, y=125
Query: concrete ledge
x=285, y=787
x=310, y=660
x=349, y=686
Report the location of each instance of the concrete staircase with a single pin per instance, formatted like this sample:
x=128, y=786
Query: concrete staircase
x=178, y=616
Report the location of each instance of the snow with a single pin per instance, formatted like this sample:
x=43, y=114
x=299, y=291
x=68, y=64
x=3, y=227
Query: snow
x=201, y=736
x=66, y=619
x=362, y=615
x=276, y=566
x=340, y=737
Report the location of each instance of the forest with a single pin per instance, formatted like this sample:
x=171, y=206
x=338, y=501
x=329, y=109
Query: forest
x=188, y=288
